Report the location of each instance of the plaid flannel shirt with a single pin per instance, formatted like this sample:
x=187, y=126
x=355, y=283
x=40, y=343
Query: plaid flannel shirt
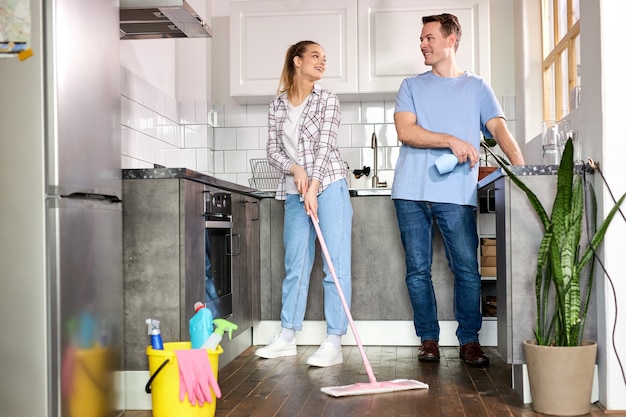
x=318, y=153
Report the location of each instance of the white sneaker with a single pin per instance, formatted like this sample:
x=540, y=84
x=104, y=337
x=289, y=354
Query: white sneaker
x=326, y=355
x=277, y=348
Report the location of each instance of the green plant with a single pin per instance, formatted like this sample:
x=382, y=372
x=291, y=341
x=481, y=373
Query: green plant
x=562, y=300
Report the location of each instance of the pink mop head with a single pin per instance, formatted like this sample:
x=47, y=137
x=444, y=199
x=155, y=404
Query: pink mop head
x=373, y=387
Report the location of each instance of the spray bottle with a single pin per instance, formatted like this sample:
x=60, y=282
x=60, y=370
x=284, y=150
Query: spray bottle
x=221, y=326
x=155, y=334
x=200, y=325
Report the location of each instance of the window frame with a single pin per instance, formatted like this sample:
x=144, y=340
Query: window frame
x=554, y=46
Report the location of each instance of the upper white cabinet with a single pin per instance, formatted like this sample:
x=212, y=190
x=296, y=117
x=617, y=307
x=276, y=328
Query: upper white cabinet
x=371, y=45
x=389, y=40
x=261, y=32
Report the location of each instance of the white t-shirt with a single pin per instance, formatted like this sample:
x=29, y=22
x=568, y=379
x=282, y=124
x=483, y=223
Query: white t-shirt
x=291, y=130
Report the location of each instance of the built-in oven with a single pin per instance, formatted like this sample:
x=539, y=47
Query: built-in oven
x=218, y=253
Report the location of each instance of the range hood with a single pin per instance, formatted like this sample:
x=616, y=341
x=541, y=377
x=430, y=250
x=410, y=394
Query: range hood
x=154, y=19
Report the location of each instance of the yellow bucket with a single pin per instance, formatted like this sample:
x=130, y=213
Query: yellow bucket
x=91, y=391
x=164, y=378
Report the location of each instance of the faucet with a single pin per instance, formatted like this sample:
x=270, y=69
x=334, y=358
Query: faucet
x=375, y=182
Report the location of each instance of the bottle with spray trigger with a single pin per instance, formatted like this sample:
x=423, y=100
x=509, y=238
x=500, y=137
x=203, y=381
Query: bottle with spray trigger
x=155, y=334
x=221, y=326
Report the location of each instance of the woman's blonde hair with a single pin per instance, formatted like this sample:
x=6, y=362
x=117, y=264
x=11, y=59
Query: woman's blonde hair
x=289, y=68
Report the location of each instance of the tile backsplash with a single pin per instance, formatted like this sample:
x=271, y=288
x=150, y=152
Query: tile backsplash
x=220, y=140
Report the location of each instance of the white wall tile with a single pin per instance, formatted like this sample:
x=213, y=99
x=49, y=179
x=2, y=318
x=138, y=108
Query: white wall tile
x=373, y=112
x=387, y=135
x=187, y=112
x=247, y=138
x=392, y=157
x=255, y=154
x=350, y=113
x=195, y=136
x=228, y=177
x=508, y=106
x=187, y=159
x=234, y=116
x=210, y=138
x=390, y=107
x=202, y=161
x=202, y=110
x=171, y=108
x=235, y=161
x=362, y=135
x=344, y=138
x=218, y=162
x=256, y=115
x=219, y=115
x=352, y=156
x=225, y=138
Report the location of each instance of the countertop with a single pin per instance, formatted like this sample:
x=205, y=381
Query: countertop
x=185, y=173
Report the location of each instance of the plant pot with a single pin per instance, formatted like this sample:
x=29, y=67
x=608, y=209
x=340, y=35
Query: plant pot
x=561, y=377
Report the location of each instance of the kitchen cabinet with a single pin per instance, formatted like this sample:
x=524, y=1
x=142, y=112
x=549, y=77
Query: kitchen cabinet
x=261, y=32
x=518, y=236
x=164, y=257
x=371, y=45
x=378, y=266
x=389, y=40
x=245, y=260
x=163, y=247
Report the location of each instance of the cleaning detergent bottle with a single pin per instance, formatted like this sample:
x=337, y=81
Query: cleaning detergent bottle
x=200, y=325
x=155, y=334
x=221, y=326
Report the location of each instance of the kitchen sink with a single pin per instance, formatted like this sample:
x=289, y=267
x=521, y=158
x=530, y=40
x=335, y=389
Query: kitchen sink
x=362, y=192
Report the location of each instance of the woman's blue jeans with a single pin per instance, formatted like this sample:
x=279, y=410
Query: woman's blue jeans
x=335, y=216
x=457, y=225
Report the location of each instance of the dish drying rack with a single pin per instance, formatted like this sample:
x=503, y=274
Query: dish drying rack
x=264, y=176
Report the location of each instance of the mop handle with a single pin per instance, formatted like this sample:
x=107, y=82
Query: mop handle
x=366, y=362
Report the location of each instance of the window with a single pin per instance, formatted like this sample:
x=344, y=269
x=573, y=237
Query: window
x=561, y=55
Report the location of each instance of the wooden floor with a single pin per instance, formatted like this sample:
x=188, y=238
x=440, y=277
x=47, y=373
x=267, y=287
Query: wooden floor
x=288, y=387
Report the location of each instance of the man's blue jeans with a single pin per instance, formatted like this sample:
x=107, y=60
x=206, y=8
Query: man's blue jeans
x=335, y=216
x=457, y=225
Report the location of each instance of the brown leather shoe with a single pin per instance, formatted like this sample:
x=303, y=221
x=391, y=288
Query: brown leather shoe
x=473, y=355
x=429, y=352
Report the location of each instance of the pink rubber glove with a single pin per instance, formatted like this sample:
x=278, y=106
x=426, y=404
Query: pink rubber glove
x=196, y=376
x=206, y=378
x=187, y=376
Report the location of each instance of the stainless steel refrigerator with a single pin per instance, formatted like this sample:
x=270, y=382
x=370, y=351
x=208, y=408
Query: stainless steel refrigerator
x=61, y=215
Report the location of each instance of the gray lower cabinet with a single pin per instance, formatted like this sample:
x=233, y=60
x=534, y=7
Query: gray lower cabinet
x=518, y=235
x=245, y=260
x=378, y=266
x=163, y=260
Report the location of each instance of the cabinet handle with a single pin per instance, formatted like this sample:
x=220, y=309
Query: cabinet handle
x=255, y=208
x=235, y=248
x=490, y=207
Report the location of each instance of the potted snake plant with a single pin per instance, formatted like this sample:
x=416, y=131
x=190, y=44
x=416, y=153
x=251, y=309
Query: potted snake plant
x=562, y=297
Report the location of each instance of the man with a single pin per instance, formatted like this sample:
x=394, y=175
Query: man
x=444, y=111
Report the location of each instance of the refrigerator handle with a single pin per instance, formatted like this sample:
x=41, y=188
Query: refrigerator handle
x=93, y=196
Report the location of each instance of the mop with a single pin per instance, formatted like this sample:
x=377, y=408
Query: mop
x=374, y=386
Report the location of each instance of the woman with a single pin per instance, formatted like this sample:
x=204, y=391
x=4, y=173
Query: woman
x=302, y=143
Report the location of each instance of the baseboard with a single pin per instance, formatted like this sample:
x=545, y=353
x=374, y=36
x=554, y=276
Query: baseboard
x=375, y=333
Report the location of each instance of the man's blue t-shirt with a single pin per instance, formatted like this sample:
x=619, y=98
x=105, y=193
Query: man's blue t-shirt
x=458, y=106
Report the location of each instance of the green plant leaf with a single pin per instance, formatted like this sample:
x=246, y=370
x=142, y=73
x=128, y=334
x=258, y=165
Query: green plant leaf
x=561, y=308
